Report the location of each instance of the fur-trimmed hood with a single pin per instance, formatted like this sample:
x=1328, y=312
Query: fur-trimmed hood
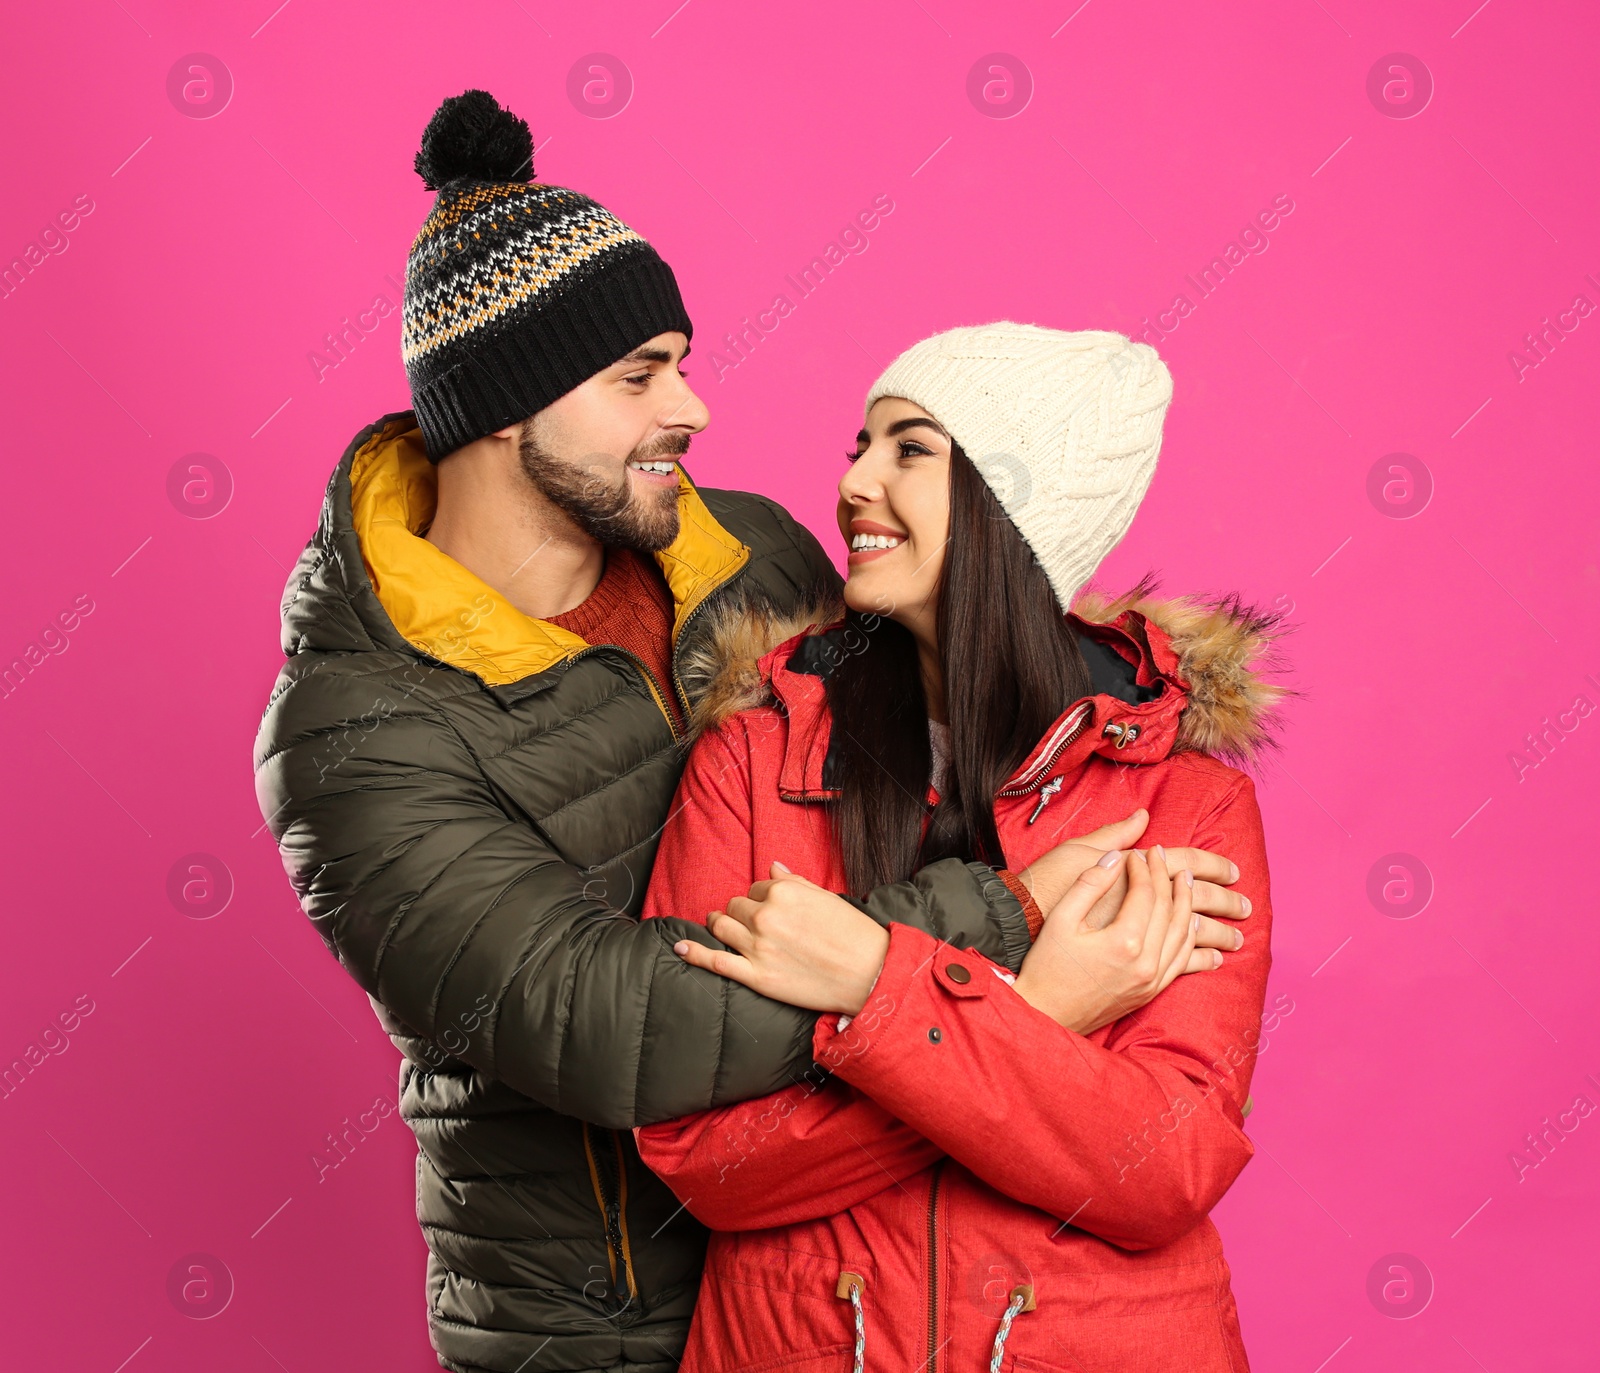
x=1219, y=652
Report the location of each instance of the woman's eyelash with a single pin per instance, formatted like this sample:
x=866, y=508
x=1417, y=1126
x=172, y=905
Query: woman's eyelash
x=851, y=454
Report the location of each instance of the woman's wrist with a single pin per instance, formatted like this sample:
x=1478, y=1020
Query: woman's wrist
x=1047, y=1000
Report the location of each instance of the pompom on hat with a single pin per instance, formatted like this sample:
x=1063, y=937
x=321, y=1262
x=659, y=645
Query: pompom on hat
x=1064, y=427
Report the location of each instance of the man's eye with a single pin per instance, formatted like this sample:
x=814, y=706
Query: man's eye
x=641, y=380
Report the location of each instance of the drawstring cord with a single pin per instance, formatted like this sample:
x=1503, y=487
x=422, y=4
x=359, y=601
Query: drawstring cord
x=1021, y=1300
x=850, y=1285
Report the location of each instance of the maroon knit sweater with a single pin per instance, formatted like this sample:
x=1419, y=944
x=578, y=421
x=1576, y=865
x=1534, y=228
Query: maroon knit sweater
x=631, y=608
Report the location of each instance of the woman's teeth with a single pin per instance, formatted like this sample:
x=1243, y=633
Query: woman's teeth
x=653, y=466
x=858, y=542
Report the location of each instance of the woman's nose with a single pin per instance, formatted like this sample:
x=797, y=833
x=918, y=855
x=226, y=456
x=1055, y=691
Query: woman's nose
x=860, y=484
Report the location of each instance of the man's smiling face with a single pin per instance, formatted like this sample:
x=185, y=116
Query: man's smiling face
x=606, y=452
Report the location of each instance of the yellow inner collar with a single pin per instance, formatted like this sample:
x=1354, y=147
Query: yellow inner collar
x=455, y=616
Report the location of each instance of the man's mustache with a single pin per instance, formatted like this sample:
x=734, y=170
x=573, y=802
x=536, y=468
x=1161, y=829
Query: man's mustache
x=674, y=443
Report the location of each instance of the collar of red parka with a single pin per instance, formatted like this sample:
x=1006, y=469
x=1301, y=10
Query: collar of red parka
x=1169, y=675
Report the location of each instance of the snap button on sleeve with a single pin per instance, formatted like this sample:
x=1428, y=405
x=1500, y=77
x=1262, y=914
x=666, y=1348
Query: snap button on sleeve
x=957, y=979
x=935, y=1035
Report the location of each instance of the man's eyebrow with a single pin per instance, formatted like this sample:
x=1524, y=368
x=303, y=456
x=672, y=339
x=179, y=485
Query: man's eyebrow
x=648, y=355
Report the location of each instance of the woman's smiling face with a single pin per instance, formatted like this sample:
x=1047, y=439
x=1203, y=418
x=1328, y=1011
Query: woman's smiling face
x=894, y=513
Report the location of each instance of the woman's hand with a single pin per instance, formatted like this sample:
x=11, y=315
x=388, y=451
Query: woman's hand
x=795, y=942
x=1050, y=876
x=1083, y=976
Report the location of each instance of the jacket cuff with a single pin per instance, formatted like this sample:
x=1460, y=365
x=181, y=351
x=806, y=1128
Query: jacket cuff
x=917, y=970
x=1030, y=908
x=1009, y=914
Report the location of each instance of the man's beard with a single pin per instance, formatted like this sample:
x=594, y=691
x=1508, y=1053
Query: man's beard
x=611, y=514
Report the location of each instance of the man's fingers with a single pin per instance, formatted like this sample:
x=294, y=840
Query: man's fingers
x=1222, y=902
x=1205, y=865
x=1215, y=934
x=1119, y=834
x=1181, y=932
x=1203, y=961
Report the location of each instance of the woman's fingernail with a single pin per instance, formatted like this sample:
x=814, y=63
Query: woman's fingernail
x=1235, y=868
x=1110, y=860
x=1238, y=940
x=781, y=867
x=1245, y=901
x=1160, y=853
x=1188, y=877
x=1194, y=925
x=1218, y=963
x=681, y=947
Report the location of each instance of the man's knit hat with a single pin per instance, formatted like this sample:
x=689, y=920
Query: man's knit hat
x=515, y=292
x=1064, y=428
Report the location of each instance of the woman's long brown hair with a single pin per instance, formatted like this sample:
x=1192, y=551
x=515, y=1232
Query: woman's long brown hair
x=1011, y=666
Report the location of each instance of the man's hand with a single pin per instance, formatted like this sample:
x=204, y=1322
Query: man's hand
x=792, y=941
x=1050, y=877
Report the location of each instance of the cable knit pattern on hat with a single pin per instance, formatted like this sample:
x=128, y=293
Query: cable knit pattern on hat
x=1064, y=427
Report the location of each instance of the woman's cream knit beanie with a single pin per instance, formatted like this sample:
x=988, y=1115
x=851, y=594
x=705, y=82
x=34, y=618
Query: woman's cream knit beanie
x=1064, y=428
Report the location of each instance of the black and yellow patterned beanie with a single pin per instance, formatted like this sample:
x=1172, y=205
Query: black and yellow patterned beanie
x=515, y=292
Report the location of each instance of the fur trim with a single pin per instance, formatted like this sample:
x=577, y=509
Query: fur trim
x=721, y=672
x=1225, y=646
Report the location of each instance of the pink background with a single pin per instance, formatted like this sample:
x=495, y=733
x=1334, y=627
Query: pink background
x=182, y=1115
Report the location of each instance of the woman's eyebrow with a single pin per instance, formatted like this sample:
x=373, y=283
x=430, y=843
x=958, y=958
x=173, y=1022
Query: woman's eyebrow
x=900, y=426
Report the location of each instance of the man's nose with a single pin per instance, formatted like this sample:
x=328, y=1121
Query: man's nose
x=687, y=411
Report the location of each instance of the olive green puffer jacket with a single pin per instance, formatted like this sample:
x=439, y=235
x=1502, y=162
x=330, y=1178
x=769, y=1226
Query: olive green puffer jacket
x=467, y=802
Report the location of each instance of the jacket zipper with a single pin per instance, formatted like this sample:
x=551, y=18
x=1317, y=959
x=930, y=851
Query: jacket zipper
x=622, y=1214
x=1039, y=769
x=651, y=680
x=932, y=1362
x=613, y=1208
x=1045, y=764
x=672, y=655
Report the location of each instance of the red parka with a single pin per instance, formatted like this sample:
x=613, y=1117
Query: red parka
x=965, y=1166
